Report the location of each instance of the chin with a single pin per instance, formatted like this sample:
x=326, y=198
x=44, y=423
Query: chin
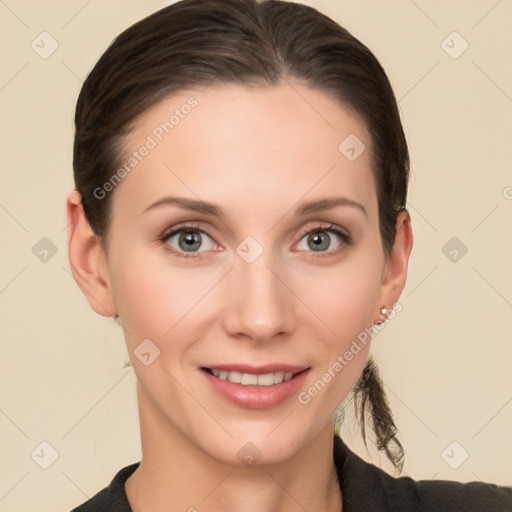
x=271, y=444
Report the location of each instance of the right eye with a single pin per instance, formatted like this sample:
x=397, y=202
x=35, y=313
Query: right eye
x=187, y=239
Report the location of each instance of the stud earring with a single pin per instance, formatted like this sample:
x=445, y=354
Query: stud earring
x=383, y=316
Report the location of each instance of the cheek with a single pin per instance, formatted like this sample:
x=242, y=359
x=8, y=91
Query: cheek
x=140, y=298
x=344, y=298
x=156, y=299
x=344, y=301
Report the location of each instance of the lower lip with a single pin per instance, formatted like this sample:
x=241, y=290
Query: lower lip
x=257, y=397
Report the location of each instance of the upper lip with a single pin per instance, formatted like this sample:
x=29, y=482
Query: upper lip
x=258, y=370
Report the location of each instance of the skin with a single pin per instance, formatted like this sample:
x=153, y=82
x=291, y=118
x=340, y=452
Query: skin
x=257, y=153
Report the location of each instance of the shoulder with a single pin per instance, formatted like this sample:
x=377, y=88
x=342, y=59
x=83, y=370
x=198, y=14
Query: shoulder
x=112, y=498
x=366, y=487
x=477, y=496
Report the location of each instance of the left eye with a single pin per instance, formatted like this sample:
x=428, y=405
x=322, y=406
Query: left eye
x=320, y=240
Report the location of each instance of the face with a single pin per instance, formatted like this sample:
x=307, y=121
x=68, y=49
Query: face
x=268, y=279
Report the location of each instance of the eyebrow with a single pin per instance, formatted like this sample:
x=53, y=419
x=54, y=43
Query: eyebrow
x=200, y=206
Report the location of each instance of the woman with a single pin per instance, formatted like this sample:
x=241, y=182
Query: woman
x=241, y=177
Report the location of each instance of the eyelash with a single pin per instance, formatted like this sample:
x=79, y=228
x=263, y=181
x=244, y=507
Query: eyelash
x=346, y=239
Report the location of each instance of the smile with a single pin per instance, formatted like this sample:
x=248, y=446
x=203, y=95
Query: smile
x=249, y=379
x=256, y=388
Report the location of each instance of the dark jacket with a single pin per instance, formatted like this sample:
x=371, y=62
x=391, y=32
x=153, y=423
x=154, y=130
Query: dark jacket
x=364, y=488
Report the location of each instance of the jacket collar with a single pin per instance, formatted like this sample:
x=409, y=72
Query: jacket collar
x=363, y=486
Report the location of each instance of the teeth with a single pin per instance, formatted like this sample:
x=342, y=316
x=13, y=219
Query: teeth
x=248, y=379
x=267, y=380
x=279, y=377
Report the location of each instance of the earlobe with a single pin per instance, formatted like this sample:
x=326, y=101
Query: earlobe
x=87, y=259
x=395, y=273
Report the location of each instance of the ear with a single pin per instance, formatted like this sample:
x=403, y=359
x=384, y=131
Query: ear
x=395, y=269
x=87, y=259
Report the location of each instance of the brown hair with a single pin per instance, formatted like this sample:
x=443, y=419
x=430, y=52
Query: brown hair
x=193, y=43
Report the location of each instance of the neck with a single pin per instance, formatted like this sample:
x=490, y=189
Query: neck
x=176, y=475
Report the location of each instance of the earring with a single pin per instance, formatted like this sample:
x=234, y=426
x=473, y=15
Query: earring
x=383, y=316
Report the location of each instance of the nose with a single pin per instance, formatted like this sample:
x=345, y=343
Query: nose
x=260, y=305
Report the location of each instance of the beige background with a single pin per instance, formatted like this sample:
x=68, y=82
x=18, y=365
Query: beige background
x=446, y=359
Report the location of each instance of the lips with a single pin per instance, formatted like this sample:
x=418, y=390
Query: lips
x=257, y=370
x=256, y=387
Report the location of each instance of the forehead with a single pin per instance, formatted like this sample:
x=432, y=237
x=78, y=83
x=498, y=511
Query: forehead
x=231, y=141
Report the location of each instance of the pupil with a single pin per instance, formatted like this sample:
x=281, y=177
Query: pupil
x=318, y=239
x=190, y=242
